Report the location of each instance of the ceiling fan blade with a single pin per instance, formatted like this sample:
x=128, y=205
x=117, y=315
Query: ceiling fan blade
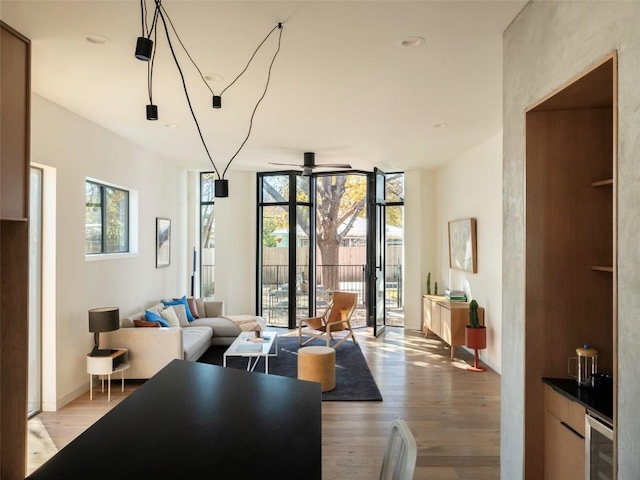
x=289, y=164
x=332, y=165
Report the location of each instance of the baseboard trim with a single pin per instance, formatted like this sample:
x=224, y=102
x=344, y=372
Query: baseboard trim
x=61, y=402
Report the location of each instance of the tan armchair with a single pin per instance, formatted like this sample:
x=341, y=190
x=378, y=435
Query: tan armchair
x=336, y=318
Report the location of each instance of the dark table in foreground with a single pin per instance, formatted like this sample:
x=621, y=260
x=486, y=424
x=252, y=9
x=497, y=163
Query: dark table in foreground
x=193, y=420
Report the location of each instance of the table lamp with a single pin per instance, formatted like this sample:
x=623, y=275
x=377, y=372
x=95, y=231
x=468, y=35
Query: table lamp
x=103, y=319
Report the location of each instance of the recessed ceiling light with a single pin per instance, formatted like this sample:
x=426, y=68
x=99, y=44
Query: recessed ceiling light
x=96, y=39
x=213, y=77
x=171, y=125
x=411, y=42
x=440, y=125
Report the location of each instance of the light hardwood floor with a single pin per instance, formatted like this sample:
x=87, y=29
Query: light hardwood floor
x=454, y=414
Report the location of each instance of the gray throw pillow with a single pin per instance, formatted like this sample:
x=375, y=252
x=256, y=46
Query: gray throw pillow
x=181, y=314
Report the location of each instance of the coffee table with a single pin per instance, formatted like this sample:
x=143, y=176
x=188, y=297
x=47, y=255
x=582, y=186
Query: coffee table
x=244, y=347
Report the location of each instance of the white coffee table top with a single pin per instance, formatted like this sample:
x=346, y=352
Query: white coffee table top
x=247, y=345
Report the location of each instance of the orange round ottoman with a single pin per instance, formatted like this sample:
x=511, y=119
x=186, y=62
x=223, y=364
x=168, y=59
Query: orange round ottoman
x=318, y=364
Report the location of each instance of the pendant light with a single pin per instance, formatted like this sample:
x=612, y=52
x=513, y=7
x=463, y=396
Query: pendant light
x=144, y=49
x=145, y=52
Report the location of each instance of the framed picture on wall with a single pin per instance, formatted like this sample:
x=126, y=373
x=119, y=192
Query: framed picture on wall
x=462, y=245
x=163, y=242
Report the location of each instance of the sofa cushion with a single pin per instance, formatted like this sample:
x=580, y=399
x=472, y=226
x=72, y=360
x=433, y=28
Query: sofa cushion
x=144, y=323
x=221, y=326
x=180, y=301
x=193, y=307
x=209, y=308
x=169, y=314
x=152, y=316
x=156, y=307
x=195, y=339
x=181, y=314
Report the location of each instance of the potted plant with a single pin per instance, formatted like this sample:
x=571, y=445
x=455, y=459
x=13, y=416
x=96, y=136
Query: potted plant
x=475, y=335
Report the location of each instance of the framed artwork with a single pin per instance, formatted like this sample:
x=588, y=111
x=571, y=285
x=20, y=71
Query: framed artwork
x=462, y=245
x=163, y=242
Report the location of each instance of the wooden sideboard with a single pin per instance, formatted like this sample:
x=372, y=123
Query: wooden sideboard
x=446, y=319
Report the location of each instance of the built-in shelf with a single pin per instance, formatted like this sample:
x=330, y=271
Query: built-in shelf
x=601, y=268
x=574, y=127
x=603, y=183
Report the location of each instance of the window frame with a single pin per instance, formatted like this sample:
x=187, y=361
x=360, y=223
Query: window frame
x=131, y=222
x=206, y=203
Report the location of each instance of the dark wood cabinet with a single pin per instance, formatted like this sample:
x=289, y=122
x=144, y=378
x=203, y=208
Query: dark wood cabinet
x=14, y=250
x=14, y=105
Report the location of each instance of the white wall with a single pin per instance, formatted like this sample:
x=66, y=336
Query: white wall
x=471, y=187
x=547, y=45
x=77, y=149
x=235, y=274
x=421, y=247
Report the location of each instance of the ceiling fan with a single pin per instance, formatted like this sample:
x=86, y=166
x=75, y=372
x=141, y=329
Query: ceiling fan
x=310, y=163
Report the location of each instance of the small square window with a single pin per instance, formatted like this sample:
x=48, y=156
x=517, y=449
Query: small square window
x=106, y=219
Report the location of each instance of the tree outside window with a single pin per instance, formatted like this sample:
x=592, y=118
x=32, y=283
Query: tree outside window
x=106, y=219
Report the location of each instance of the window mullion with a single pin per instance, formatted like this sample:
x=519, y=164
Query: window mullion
x=103, y=218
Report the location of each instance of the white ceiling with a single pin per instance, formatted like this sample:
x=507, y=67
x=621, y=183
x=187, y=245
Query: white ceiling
x=341, y=86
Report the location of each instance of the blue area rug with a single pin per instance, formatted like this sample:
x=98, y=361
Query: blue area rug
x=353, y=377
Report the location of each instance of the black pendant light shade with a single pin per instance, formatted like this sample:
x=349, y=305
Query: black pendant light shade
x=144, y=48
x=152, y=112
x=221, y=188
x=217, y=101
x=309, y=159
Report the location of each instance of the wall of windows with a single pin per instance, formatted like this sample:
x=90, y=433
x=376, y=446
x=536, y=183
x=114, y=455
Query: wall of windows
x=315, y=242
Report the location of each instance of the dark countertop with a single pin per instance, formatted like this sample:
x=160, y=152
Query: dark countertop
x=598, y=400
x=193, y=420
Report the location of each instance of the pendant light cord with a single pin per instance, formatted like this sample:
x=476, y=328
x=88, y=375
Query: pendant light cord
x=150, y=67
x=160, y=12
x=185, y=48
x=279, y=25
x=184, y=86
x=266, y=86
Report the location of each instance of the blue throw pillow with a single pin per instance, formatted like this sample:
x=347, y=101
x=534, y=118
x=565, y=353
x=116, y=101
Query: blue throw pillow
x=152, y=316
x=181, y=301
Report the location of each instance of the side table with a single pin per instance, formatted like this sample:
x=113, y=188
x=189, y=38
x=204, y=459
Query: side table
x=104, y=366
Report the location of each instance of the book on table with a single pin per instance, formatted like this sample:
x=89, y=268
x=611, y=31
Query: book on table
x=258, y=339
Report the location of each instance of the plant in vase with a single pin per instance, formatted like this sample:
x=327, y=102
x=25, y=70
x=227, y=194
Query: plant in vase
x=475, y=335
x=429, y=283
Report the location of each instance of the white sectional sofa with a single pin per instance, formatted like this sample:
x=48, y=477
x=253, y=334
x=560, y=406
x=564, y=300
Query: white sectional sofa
x=151, y=349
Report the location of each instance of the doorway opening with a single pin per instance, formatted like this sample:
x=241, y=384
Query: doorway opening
x=34, y=388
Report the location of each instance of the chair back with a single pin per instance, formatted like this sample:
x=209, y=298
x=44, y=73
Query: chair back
x=399, y=461
x=342, y=306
